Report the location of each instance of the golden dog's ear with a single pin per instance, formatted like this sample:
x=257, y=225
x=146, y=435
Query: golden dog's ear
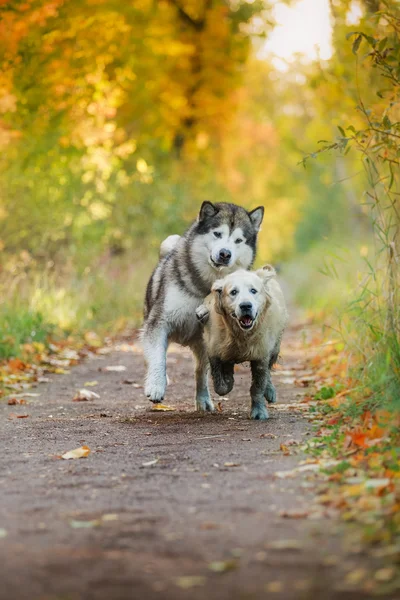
x=266, y=272
x=217, y=288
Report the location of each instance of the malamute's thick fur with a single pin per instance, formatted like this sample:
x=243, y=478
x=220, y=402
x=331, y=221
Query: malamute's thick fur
x=244, y=318
x=222, y=240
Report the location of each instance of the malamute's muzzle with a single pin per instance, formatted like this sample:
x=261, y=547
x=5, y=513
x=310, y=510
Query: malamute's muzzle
x=222, y=259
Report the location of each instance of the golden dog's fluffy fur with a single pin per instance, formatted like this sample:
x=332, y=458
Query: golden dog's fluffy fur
x=244, y=318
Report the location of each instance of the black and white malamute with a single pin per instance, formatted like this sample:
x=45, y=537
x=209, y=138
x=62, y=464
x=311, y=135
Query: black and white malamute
x=221, y=240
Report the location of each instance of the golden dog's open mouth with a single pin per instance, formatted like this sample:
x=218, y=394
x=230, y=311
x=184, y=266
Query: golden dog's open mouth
x=246, y=322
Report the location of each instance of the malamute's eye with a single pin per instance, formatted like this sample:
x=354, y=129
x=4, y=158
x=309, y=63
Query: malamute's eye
x=217, y=234
x=238, y=241
x=233, y=292
x=253, y=291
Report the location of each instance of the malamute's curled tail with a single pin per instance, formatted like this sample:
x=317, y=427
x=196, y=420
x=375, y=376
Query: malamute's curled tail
x=168, y=245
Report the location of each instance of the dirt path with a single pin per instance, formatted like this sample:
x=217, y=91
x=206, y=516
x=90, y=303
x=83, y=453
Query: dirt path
x=168, y=505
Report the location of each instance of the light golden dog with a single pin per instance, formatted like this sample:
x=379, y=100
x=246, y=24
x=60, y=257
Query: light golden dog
x=244, y=318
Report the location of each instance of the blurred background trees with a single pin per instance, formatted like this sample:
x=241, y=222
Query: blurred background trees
x=117, y=119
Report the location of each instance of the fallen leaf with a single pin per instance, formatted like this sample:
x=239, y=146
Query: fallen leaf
x=274, y=587
x=84, y=524
x=294, y=514
x=385, y=574
x=90, y=383
x=81, y=452
x=84, y=395
x=115, y=368
x=358, y=438
x=15, y=364
x=209, y=525
x=232, y=464
x=161, y=408
x=110, y=517
x=222, y=566
x=285, y=545
x=3, y=532
x=15, y=416
x=219, y=407
x=150, y=463
x=285, y=449
x=14, y=401
x=190, y=581
x=356, y=576
x=271, y=436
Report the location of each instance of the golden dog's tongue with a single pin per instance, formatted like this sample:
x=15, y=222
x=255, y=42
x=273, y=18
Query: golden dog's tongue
x=246, y=321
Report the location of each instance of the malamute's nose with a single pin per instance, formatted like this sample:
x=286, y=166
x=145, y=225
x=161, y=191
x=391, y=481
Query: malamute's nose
x=246, y=307
x=224, y=256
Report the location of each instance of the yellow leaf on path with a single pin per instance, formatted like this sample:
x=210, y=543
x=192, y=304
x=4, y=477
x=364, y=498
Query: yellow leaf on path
x=161, y=408
x=290, y=544
x=385, y=574
x=90, y=383
x=222, y=566
x=190, y=581
x=81, y=452
x=356, y=576
x=285, y=449
x=274, y=587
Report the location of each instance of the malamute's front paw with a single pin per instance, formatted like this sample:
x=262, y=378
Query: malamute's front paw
x=270, y=393
x=202, y=314
x=155, y=391
x=204, y=404
x=259, y=412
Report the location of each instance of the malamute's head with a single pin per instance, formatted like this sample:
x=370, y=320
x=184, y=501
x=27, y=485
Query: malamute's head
x=226, y=236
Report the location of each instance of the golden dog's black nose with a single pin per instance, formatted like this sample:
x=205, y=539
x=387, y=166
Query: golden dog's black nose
x=246, y=307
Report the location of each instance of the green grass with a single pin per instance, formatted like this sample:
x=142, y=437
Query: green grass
x=105, y=297
x=20, y=326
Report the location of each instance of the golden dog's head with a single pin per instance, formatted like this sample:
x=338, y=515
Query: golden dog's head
x=243, y=295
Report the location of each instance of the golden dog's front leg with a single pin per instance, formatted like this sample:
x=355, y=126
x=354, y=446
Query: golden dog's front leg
x=260, y=379
x=222, y=374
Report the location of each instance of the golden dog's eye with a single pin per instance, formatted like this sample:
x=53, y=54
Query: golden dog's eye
x=217, y=234
x=238, y=241
x=233, y=292
x=253, y=291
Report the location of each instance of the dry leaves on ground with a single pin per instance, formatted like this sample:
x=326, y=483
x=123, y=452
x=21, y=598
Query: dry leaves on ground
x=81, y=452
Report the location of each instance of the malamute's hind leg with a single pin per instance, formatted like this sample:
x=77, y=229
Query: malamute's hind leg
x=203, y=400
x=155, y=343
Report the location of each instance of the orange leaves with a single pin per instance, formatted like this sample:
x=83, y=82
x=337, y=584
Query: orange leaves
x=358, y=438
x=15, y=364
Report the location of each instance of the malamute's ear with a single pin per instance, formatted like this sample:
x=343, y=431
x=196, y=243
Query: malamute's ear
x=207, y=210
x=256, y=217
